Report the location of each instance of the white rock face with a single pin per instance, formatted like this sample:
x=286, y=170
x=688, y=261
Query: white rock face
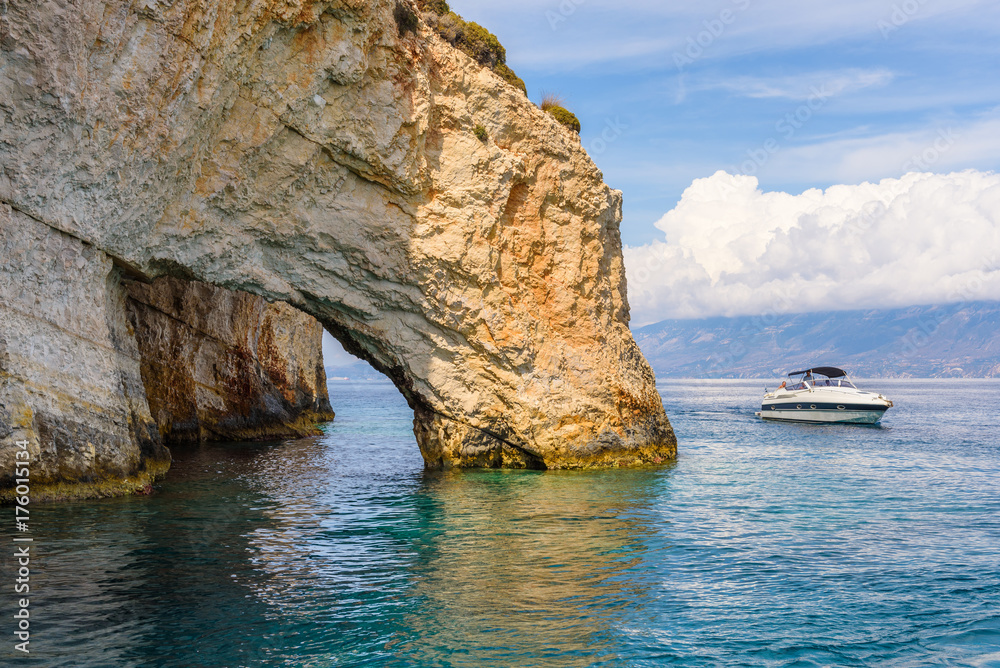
x=309, y=153
x=69, y=368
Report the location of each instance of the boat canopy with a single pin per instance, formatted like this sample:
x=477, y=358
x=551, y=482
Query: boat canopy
x=828, y=371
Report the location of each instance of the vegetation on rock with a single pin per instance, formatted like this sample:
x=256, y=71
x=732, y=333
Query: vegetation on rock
x=555, y=106
x=481, y=44
x=508, y=75
x=550, y=100
x=566, y=117
x=439, y=7
x=471, y=38
x=481, y=133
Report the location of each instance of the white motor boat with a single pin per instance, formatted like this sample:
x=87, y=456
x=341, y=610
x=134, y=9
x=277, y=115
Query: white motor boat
x=823, y=394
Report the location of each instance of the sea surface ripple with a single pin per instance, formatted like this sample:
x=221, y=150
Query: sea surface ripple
x=765, y=544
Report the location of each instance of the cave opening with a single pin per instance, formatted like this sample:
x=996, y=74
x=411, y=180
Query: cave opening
x=224, y=365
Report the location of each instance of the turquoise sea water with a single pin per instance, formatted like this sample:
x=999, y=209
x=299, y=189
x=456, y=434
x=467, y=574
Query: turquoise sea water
x=765, y=544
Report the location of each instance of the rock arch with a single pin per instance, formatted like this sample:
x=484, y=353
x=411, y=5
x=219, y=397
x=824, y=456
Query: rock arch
x=306, y=152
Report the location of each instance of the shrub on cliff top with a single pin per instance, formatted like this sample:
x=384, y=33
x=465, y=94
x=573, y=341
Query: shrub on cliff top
x=451, y=27
x=471, y=38
x=551, y=100
x=482, y=45
x=566, y=117
x=508, y=75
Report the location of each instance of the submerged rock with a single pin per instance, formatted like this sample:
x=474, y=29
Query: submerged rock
x=315, y=154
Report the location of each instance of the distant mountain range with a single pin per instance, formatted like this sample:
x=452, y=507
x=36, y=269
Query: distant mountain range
x=950, y=341
x=947, y=341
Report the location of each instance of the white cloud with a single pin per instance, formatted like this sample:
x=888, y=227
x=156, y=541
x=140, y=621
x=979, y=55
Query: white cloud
x=804, y=86
x=732, y=249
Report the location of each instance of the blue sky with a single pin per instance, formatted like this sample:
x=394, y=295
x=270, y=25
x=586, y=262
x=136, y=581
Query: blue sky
x=696, y=86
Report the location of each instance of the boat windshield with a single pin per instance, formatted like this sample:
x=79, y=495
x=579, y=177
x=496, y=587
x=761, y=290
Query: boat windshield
x=808, y=382
x=832, y=382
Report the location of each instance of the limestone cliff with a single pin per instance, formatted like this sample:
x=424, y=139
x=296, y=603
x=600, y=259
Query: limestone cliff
x=84, y=356
x=70, y=383
x=323, y=155
x=226, y=366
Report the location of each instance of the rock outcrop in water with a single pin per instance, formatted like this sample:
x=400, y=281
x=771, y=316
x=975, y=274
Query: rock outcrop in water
x=324, y=155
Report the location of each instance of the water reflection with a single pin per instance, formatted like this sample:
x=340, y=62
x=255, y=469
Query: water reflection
x=127, y=582
x=526, y=567
x=415, y=565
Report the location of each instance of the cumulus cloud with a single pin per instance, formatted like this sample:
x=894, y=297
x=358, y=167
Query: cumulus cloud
x=731, y=249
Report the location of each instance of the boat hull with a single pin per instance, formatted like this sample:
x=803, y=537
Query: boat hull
x=822, y=413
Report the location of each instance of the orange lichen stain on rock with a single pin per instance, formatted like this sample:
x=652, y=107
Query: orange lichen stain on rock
x=629, y=406
x=295, y=12
x=192, y=24
x=242, y=385
x=513, y=209
x=178, y=83
x=169, y=391
x=483, y=333
x=272, y=359
x=308, y=45
x=211, y=181
x=514, y=240
x=530, y=269
x=575, y=424
x=291, y=13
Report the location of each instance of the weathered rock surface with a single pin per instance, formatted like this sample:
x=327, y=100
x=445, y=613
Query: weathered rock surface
x=69, y=369
x=84, y=356
x=316, y=154
x=220, y=365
